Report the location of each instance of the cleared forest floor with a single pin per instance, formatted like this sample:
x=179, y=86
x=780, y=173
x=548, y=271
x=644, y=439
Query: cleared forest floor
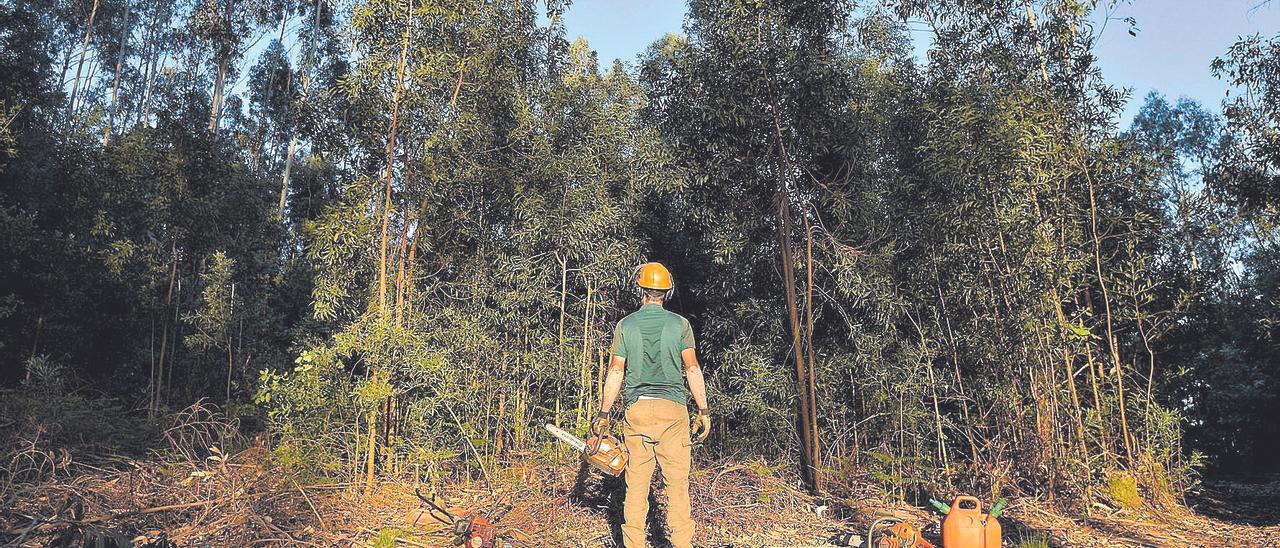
x=238, y=500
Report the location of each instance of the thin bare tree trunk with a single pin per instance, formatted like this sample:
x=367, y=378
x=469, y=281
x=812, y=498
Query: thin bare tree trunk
x=1106, y=306
x=808, y=461
x=388, y=175
x=373, y=444
x=66, y=65
x=151, y=81
x=164, y=337
x=401, y=254
x=814, y=437
x=293, y=134
x=215, y=112
x=502, y=415
x=288, y=168
x=230, y=342
x=1069, y=371
x=564, y=293
x=151, y=374
x=1151, y=364
x=413, y=253
x=84, y=52
x=584, y=372
x=115, y=84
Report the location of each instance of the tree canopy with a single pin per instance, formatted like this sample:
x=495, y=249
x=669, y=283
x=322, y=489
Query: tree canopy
x=400, y=236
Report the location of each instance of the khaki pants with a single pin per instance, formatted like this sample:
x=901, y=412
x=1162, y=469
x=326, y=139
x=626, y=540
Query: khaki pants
x=656, y=432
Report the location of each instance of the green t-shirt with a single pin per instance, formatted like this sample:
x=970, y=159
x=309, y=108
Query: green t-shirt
x=651, y=340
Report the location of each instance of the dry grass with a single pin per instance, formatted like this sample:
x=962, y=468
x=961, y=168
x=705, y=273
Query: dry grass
x=1105, y=526
x=210, y=487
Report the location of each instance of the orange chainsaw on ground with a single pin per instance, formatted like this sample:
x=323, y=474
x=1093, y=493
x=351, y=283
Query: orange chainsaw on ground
x=894, y=531
x=610, y=458
x=471, y=529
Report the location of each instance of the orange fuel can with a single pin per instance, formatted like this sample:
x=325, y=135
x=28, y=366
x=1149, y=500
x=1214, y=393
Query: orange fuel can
x=967, y=527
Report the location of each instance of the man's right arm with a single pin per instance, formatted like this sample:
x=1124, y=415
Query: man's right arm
x=613, y=382
x=617, y=368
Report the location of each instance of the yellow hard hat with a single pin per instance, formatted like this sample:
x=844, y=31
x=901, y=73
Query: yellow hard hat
x=653, y=276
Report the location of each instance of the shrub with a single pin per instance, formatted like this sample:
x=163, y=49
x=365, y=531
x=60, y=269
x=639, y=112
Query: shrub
x=1122, y=490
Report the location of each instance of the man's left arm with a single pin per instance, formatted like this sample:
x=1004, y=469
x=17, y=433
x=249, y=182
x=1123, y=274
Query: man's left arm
x=697, y=384
x=693, y=373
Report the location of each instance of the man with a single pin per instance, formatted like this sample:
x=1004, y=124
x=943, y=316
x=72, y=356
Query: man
x=653, y=356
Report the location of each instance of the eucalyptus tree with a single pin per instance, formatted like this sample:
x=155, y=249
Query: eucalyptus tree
x=1051, y=228
x=222, y=29
x=271, y=92
x=435, y=89
x=1252, y=116
x=1246, y=179
x=322, y=58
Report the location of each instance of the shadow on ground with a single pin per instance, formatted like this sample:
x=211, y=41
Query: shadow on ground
x=1254, y=501
x=604, y=494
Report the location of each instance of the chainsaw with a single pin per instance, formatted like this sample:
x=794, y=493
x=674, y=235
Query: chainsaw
x=895, y=532
x=471, y=529
x=610, y=457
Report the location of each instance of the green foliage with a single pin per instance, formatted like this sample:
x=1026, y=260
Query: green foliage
x=1033, y=540
x=53, y=409
x=214, y=316
x=389, y=537
x=414, y=226
x=1122, y=489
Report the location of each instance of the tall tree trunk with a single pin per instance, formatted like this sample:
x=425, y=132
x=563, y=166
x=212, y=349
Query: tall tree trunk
x=1151, y=366
x=807, y=415
x=177, y=340
x=306, y=85
x=115, y=84
x=401, y=258
x=164, y=336
x=411, y=265
x=84, y=52
x=1068, y=362
x=564, y=293
x=812, y=369
x=215, y=111
x=66, y=65
x=147, y=62
x=584, y=372
x=808, y=460
x=388, y=174
x=1106, y=306
x=373, y=444
x=288, y=168
x=260, y=136
x=230, y=343
x=156, y=66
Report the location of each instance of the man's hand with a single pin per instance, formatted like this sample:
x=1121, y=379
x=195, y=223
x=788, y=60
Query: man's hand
x=599, y=427
x=701, y=426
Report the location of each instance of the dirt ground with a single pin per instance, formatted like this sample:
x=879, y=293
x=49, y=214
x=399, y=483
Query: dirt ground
x=548, y=500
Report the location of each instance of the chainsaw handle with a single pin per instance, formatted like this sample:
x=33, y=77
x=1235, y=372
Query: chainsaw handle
x=436, y=508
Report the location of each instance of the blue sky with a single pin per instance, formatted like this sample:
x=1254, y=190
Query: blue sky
x=1176, y=41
